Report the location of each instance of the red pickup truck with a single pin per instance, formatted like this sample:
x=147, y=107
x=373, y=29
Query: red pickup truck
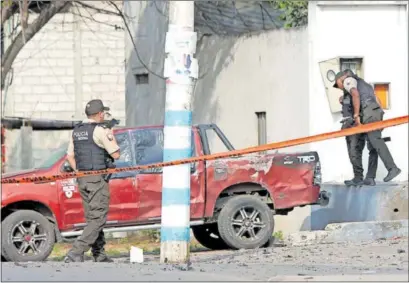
x=233, y=200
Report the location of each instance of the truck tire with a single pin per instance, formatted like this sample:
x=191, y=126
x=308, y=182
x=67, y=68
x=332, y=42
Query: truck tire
x=245, y=222
x=27, y=236
x=208, y=236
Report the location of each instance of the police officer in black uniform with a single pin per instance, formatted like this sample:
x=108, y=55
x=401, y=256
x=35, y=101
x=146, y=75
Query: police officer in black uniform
x=355, y=147
x=92, y=147
x=366, y=109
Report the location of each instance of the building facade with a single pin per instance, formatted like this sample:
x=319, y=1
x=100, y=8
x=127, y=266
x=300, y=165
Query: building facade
x=372, y=38
x=74, y=58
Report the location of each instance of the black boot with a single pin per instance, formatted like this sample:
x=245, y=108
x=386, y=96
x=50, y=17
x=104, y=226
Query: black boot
x=369, y=182
x=102, y=258
x=392, y=174
x=73, y=257
x=354, y=182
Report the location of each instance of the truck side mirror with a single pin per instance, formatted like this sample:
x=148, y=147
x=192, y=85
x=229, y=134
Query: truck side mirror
x=67, y=167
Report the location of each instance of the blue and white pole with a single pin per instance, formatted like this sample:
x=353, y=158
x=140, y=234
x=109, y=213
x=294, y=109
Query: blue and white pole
x=180, y=70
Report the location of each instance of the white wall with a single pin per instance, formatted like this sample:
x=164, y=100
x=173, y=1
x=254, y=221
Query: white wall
x=69, y=62
x=379, y=33
x=249, y=74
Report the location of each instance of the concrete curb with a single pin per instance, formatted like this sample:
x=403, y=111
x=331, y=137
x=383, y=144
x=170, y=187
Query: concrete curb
x=383, y=202
x=351, y=232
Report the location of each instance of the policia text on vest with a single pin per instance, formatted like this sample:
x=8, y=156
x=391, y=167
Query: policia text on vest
x=92, y=147
x=366, y=109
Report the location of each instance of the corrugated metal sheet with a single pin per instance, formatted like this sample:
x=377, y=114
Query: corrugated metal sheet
x=235, y=17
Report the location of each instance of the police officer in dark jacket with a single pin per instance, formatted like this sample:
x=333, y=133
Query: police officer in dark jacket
x=92, y=147
x=355, y=147
x=366, y=109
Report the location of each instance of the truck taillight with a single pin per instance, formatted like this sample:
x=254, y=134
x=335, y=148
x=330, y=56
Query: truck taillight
x=317, y=174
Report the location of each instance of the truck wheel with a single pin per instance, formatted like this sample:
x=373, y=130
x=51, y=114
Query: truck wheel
x=208, y=236
x=245, y=222
x=27, y=236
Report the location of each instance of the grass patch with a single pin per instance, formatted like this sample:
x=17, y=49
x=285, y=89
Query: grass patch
x=279, y=235
x=148, y=241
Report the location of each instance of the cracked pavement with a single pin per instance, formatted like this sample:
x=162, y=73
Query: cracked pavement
x=379, y=260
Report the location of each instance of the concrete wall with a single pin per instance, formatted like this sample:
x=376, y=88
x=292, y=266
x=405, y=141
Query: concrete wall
x=377, y=31
x=145, y=102
x=249, y=74
x=70, y=61
x=383, y=202
x=239, y=77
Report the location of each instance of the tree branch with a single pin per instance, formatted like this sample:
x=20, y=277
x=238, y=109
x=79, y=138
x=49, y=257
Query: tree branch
x=99, y=10
x=24, y=18
x=18, y=43
x=7, y=11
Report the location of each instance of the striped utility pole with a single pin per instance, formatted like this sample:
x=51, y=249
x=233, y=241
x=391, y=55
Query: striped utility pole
x=180, y=70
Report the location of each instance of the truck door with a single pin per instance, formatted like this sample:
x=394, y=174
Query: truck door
x=148, y=149
x=217, y=172
x=123, y=195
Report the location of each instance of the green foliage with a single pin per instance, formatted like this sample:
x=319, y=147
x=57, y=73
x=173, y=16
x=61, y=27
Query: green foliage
x=295, y=13
x=152, y=235
x=278, y=235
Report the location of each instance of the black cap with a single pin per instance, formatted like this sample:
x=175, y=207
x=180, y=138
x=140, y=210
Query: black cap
x=337, y=76
x=340, y=74
x=95, y=106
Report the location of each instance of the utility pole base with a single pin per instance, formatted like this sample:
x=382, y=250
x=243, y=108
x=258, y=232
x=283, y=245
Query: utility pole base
x=174, y=252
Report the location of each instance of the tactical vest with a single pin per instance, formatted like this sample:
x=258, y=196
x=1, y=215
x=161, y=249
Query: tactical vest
x=347, y=107
x=366, y=92
x=88, y=155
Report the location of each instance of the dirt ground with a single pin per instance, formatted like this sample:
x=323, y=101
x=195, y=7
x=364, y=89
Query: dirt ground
x=120, y=247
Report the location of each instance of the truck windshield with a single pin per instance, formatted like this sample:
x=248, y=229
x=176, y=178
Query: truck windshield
x=53, y=156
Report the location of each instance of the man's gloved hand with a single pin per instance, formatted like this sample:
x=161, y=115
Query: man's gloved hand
x=110, y=162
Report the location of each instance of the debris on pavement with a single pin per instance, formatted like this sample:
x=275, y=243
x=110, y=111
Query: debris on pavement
x=336, y=260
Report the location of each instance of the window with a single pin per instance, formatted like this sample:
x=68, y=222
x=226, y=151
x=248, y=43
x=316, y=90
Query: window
x=148, y=147
x=125, y=159
x=53, y=157
x=261, y=127
x=142, y=79
x=382, y=92
x=354, y=64
x=124, y=144
x=216, y=145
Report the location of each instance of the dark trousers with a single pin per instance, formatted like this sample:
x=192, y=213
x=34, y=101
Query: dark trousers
x=94, y=192
x=372, y=112
x=355, y=146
